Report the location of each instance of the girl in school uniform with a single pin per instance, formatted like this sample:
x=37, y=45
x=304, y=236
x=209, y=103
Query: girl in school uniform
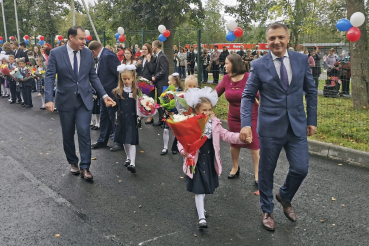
x=208, y=164
x=126, y=131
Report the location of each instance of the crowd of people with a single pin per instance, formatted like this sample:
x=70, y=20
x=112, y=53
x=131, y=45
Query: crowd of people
x=94, y=83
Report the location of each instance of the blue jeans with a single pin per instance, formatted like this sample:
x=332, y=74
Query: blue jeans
x=182, y=72
x=205, y=73
x=175, y=67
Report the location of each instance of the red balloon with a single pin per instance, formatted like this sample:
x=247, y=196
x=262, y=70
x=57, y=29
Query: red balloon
x=26, y=37
x=122, y=38
x=1, y=38
x=166, y=33
x=60, y=37
x=12, y=38
x=89, y=38
x=353, y=34
x=238, y=32
x=42, y=38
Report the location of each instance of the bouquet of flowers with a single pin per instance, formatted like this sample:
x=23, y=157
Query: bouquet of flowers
x=146, y=106
x=16, y=74
x=5, y=70
x=37, y=73
x=167, y=100
x=145, y=85
x=189, y=130
x=32, y=60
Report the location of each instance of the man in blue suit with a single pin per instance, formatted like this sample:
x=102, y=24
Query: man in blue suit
x=107, y=72
x=281, y=77
x=75, y=67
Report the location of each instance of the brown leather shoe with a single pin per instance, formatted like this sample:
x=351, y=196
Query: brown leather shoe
x=74, y=169
x=268, y=221
x=287, y=208
x=85, y=173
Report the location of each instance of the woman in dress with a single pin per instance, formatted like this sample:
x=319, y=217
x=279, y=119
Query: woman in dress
x=233, y=85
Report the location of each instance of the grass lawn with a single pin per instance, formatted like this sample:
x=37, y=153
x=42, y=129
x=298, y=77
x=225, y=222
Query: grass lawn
x=338, y=122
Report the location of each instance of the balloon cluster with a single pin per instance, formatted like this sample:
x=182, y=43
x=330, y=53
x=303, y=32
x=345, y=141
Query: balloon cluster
x=1, y=40
x=88, y=36
x=119, y=36
x=164, y=33
x=351, y=26
x=42, y=40
x=11, y=38
x=234, y=31
x=26, y=39
x=58, y=38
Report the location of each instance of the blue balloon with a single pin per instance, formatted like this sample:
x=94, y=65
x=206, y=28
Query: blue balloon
x=58, y=41
x=162, y=38
x=40, y=42
x=86, y=40
x=343, y=25
x=1, y=41
x=230, y=36
x=117, y=36
x=26, y=41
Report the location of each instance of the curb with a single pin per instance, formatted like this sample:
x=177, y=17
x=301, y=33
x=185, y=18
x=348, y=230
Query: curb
x=335, y=152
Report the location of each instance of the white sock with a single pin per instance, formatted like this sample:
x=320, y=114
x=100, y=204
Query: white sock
x=200, y=206
x=3, y=90
x=7, y=91
x=43, y=99
x=166, y=138
x=21, y=96
x=126, y=149
x=97, y=123
x=93, y=118
x=132, y=154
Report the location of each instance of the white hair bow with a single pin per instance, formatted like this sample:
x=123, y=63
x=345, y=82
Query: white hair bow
x=192, y=96
x=175, y=74
x=124, y=67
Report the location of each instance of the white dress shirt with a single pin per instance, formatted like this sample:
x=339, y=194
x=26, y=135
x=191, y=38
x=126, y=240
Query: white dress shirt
x=98, y=57
x=287, y=64
x=71, y=57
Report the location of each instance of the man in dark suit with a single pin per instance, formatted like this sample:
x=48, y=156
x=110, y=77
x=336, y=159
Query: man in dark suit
x=23, y=51
x=17, y=50
x=161, y=74
x=108, y=75
x=75, y=67
x=281, y=77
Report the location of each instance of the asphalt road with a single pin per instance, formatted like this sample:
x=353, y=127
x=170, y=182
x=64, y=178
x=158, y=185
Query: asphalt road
x=42, y=204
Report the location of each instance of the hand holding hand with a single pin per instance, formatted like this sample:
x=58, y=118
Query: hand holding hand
x=310, y=130
x=49, y=106
x=246, y=135
x=109, y=102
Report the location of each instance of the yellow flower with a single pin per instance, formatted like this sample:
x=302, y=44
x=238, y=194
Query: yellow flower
x=162, y=95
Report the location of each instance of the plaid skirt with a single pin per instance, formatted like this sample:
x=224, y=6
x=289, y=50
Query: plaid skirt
x=40, y=83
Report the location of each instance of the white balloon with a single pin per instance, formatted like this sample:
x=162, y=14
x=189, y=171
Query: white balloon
x=231, y=25
x=121, y=30
x=162, y=28
x=87, y=32
x=357, y=19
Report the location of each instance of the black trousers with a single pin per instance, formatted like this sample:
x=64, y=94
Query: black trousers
x=215, y=70
x=346, y=86
x=13, y=90
x=27, y=95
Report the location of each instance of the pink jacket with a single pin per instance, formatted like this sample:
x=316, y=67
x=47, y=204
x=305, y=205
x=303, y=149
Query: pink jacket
x=218, y=132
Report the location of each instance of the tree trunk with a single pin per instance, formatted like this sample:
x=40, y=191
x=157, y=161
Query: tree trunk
x=168, y=44
x=359, y=59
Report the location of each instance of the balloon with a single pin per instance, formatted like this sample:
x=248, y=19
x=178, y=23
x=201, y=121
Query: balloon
x=1, y=38
x=117, y=35
x=26, y=36
x=231, y=25
x=86, y=40
x=26, y=41
x=357, y=19
x=230, y=36
x=162, y=38
x=41, y=42
x=343, y=25
x=89, y=37
x=60, y=37
x=353, y=34
x=58, y=42
x=162, y=28
x=42, y=38
x=122, y=38
x=121, y=30
x=238, y=32
x=166, y=33
x=1, y=41
x=12, y=38
x=87, y=32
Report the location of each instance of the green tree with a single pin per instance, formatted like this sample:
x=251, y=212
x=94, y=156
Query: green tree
x=213, y=23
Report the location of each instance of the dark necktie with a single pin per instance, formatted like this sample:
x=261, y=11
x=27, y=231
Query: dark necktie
x=75, y=64
x=283, y=74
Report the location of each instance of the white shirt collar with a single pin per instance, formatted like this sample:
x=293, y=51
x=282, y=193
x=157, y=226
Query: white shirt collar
x=70, y=50
x=275, y=57
x=98, y=57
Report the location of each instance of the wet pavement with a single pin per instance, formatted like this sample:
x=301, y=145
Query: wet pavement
x=43, y=204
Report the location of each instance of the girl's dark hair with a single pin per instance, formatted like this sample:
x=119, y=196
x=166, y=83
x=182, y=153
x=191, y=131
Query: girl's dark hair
x=47, y=51
x=148, y=46
x=119, y=89
x=308, y=52
x=39, y=50
x=238, y=66
x=132, y=57
x=178, y=81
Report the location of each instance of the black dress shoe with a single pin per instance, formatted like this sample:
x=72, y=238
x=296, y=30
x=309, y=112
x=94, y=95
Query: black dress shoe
x=43, y=108
x=232, y=176
x=149, y=122
x=127, y=163
x=95, y=128
x=98, y=145
x=116, y=148
x=28, y=106
x=164, y=152
x=174, y=152
x=23, y=105
x=159, y=123
x=12, y=103
x=131, y=168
